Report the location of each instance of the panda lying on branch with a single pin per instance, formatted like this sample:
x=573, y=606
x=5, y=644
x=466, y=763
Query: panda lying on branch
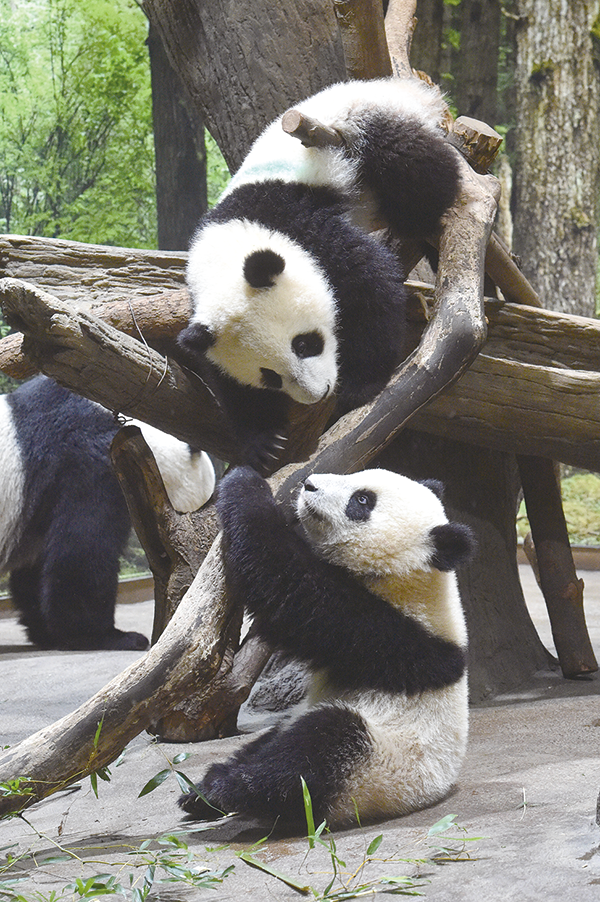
x=63, y=518
x=368, y=598
x=292, y=297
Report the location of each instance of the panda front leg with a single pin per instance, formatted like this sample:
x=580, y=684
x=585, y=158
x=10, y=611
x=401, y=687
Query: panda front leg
x=325, y=746
x=259, y=419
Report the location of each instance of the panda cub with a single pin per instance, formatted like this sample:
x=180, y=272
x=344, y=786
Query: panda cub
x=366, y=595
x=63, y=518
x=292, y=297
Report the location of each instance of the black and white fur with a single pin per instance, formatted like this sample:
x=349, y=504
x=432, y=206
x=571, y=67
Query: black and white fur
x=367, y=596
x=292, y=297
x=63, y=519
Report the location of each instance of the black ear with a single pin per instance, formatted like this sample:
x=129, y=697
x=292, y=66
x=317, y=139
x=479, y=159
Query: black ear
x=261, y=267
x=438, y=488
x=195, y=339
x=454, y=543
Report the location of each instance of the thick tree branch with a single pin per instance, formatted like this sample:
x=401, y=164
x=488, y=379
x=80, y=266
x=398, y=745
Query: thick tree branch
x=363, y=37
x=400, y=22
x=562, y=590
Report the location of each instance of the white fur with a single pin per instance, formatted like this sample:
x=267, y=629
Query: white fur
x=346, y=108
x=418, y=747
x=254, y=327
x=418, y=741
x=12, y=484
x=189, y=478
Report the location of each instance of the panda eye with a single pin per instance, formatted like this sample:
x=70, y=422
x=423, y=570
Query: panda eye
x=310, y=344
x=361, y=504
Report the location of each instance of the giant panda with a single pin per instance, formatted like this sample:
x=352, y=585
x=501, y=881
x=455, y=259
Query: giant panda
x=366, y=594
x=63, y=518
x=292, y=297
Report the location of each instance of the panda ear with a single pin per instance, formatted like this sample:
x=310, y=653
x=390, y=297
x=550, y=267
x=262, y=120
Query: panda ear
x=196, y=339
x=434, y=485
x=453, y=544
x=261, y=268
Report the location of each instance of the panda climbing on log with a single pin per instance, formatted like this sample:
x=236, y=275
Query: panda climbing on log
x=367, y=596
x=292, y=297
x=63, y=519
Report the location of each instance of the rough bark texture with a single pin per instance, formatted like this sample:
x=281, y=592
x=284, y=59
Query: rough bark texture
x=363, y=36
x=244, y=63
x=545, y=404
x=558, y=148
x=180, y=153
x=426, y=52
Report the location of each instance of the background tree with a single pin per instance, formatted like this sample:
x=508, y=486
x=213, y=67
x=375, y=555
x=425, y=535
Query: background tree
x=558, y=150
x=180, y=153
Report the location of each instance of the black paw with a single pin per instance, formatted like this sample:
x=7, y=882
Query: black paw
x=121, y=641
x=264, y=452
x=198, y=806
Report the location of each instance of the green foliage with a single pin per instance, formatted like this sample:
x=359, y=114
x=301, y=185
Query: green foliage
x=217, y=173
x=76, y=146
x=581, y=504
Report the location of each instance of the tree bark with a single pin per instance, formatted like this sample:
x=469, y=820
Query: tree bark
x=363, y=38
x=562, y=590
x=426, y=52
x=558, y=152
x=475, y=61
x=237, y=88
x=180, y=153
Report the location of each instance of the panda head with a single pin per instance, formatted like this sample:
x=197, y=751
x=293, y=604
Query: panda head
x=377, y=523
x=264, y=312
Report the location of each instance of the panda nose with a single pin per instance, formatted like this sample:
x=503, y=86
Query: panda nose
x=309, y=486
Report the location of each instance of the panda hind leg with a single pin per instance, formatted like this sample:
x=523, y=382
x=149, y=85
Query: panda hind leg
x=24, y=585
x=79, y=580
x=262, y=779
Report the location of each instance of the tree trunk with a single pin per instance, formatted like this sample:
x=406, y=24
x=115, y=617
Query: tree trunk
x=426, y=54
x=244, y=63
x=179, y=151
x=475, y=61
x=558, y=152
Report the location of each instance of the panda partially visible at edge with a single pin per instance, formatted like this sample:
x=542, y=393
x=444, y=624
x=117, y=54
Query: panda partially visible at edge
x=292, y=298
x=368, y=598
x=63, y=518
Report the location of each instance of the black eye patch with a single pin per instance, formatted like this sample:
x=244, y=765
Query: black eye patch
x=310, y=344
x=269, y=378
x=361, y=504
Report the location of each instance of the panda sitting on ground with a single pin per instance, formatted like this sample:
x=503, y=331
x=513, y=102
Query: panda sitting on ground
x=292, y=298
x=63, y=518
x=368, y=598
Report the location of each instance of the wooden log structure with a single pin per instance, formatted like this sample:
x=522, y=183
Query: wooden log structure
x=196, y=638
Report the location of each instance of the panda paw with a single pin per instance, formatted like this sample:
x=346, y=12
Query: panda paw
x=198, y=806
x=264, y=452
x=122, y=641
